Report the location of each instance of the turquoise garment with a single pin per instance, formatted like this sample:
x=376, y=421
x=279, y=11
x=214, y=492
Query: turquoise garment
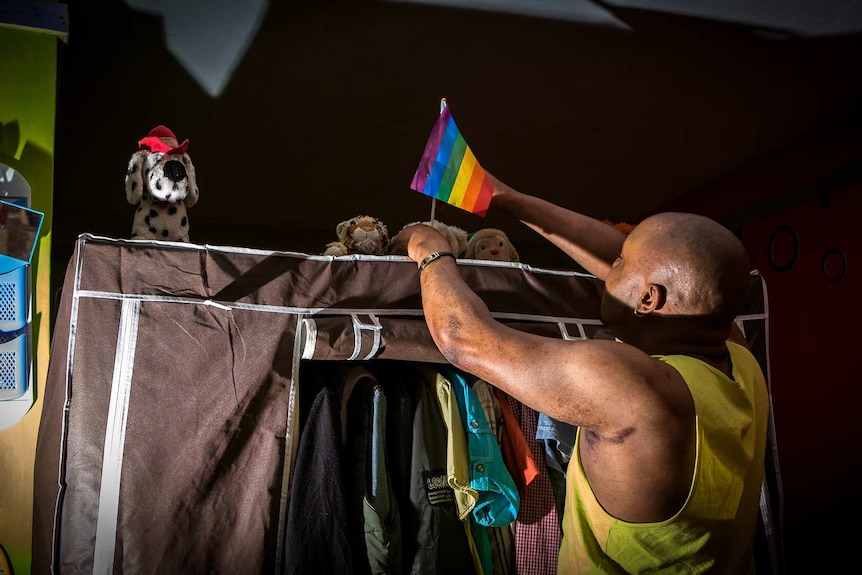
x=458, y=475
x=498, y=497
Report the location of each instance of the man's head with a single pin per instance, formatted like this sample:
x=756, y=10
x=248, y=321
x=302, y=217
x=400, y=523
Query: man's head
x=677, y=265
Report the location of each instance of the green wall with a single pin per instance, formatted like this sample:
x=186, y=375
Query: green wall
x=28, y=85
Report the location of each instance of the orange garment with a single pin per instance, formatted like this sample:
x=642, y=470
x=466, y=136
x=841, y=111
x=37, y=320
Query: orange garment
x=513, y=445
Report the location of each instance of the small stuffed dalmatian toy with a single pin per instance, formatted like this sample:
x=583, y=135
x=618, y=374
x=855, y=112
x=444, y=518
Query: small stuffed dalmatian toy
x=359, y=235
x=161, y=181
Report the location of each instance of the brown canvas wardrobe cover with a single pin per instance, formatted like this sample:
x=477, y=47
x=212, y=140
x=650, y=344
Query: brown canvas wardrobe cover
x=170, y=418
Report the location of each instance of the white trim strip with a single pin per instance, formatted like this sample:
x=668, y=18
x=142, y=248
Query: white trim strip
x=64, y=426
x=358, y=327
x=564, y=332
x=740, y=323
x=357, y=337
x=291, y=443
x=87, y=237
x=751, y=316
x=309, y=328
x=115, y=438
x=292, y=310
x=377, y=329
x=775, y=532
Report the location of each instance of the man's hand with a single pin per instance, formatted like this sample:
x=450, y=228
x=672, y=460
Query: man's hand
x=419, y=240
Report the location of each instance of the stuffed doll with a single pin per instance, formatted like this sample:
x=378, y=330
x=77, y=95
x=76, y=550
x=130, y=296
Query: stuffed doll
x=456, y=236
x=359, y=235
x=161, y=181
x=491, y=244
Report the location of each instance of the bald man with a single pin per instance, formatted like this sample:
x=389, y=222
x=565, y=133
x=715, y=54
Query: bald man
x=672, y=418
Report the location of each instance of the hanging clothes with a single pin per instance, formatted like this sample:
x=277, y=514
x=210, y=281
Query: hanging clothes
x=433, y=526
x=458, y=472
x=501, y=539
x=401, y=387
x=498, y=499
x=537, y=531
x=498, y=502
x=558, y=439
x=375, y=518
x=317, y=537
x=513, y=445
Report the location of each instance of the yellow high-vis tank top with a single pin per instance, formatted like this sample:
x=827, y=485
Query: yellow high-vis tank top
x=715, y=530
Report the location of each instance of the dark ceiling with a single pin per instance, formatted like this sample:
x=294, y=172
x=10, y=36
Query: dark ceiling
x=327, y=114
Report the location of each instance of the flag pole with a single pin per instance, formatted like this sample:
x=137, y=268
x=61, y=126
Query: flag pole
x=433, y=199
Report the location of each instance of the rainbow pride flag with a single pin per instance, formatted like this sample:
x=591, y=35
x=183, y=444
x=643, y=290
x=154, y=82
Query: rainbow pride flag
x=449, y=171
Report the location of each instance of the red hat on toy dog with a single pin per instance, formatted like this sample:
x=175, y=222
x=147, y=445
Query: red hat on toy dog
x=161, y=139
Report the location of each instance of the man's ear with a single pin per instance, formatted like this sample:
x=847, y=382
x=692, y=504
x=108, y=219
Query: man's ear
x=652, y=299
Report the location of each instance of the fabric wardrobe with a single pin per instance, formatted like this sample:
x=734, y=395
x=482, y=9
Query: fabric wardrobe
x=172, y=408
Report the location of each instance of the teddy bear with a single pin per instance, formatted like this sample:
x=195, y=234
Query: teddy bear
x=456, y=236
x=359, y=235
x=160, y=180
x=491, y=244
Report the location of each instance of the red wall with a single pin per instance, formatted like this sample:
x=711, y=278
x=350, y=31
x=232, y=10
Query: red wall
x=814, y=323
x=815, y=363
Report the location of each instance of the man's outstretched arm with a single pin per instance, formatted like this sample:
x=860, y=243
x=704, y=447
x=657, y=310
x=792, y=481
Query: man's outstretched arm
x=603, y=385
x=590, y=242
